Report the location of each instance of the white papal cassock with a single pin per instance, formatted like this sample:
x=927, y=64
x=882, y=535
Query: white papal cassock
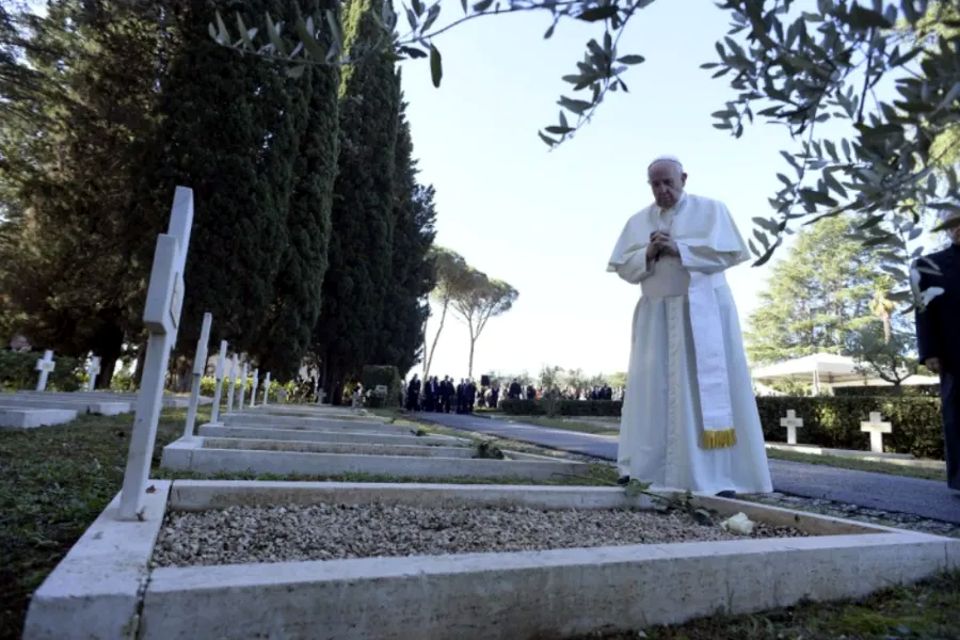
x=689, y=417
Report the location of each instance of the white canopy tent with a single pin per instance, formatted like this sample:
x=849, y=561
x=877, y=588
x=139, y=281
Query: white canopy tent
x=818, y=368
x=826, y=370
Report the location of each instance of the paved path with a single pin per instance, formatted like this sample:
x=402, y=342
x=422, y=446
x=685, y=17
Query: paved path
x=924, y=498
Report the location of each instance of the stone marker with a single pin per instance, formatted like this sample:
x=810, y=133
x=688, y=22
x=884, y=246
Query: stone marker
x=199, y=367
x=792, y=423
x=45, y=365
x=243, y=387
x=161, y=317
x=92, y=370
x=253, y=387
x=234, y=374
x=218, y=376
x=876, y=428
x=266, y=388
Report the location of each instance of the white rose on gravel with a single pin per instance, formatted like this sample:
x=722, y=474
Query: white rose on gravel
x=739, y=523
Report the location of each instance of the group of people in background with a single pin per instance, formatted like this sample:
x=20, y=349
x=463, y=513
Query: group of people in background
x=444, y=396
x=440, y=396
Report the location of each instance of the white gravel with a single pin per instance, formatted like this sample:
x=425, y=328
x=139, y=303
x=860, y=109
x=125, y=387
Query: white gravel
x=335, y=531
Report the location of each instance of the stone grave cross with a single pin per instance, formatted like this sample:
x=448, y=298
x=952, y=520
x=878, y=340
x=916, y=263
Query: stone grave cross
x=266, y=388
x=234, y=374
x=92, y=370
x=45, y=366
x=199, y=367
x=253, y=388
x=161, y=317
x=792, y=423
x=218, y=389
x=243, y=387
x=876, y=428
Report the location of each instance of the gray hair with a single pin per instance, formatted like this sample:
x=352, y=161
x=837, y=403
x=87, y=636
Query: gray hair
x=667, y=158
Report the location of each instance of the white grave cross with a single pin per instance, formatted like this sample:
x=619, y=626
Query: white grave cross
x=253, y=388
x=218, y=390
x=266, y=388
x=243, y=387
x=161, y=317
x=44, y=365
x=234, y=374
x=792, y=423
x=876, y=428
x=199, y=366
x=92, y=370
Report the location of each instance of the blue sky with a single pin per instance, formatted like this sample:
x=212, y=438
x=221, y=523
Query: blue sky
x=546, y=221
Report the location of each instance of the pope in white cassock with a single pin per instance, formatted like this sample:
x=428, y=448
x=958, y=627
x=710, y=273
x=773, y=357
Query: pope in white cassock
x=689, y=418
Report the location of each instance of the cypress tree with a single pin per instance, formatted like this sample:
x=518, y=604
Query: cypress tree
x=288, y=329
x=230, y=134
x=362, y=233
x=400, y=338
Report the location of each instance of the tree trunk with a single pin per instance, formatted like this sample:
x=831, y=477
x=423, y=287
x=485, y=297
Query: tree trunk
x=107, y=344
x=433, y=347
x=473, y=341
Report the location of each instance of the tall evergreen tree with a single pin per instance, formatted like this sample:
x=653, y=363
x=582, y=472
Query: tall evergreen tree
x=362, y=230
x=230, y=134
x=401, y=334
x=817, y=296
x=79, y=108
x=288, y=329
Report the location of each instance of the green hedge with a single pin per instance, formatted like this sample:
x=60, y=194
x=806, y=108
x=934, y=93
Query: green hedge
x=911, y=391
x=835, y=422
x=18, y=371
x=564, y=407
x=208, y=385
x=373, y=375
x=827, y=421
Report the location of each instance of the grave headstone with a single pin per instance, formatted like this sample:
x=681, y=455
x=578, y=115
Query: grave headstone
x=199, y=365
x=161, y=317
x=243, y=387
x=253, y=388
x=218, y=376
x=876, y=427
x=45, y=366
x=792, y=423
x=234, y=374
x=93, y=369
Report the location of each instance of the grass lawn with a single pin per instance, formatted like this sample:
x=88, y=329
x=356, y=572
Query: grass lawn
x=567, y=424
x=928, y=610
x=861, y=465
x=54, y=481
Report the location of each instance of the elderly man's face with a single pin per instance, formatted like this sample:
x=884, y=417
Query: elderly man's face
x=954, y=233
x=666, y=182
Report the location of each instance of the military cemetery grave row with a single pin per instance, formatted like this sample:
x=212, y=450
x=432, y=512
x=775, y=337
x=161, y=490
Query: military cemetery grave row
x=280, y=559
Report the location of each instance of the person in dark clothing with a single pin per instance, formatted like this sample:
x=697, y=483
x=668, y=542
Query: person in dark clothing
x=471, y=396
x=514, y=391
x=938, y=340
x=446, y=391
x=531, y=392
x=413, y=394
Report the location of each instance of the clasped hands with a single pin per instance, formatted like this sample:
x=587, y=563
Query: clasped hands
x=661, y=244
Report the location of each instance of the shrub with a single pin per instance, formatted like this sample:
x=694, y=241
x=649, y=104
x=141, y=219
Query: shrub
x=828, y=421
x=387, y=375
x=835, y=422
x=18, y=371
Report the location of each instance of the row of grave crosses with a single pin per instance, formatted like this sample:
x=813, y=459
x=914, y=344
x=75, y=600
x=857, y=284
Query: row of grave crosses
x=161, y=318
x=875, y=426
x=47, y=364
x=235, y=378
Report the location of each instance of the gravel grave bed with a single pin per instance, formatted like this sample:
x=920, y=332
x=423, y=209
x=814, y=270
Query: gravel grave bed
x=242, y=534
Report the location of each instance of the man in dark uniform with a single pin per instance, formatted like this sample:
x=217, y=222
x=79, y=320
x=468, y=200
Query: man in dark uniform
x=938, y=341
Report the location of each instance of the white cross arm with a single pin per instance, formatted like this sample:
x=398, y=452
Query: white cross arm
x=161, y=314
